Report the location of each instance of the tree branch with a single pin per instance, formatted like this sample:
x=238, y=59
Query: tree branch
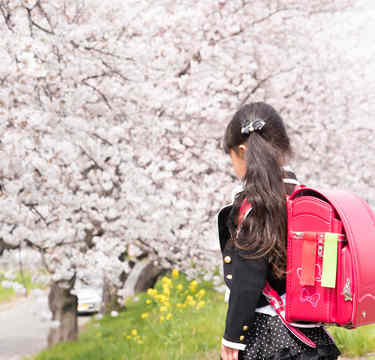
x=33, y=23
x=116, y=72
x=105, y=141
x=91, y=158
x=6, y=15
x=88, y=48
x=99, y=92
x=262, y=82
x=33, y=208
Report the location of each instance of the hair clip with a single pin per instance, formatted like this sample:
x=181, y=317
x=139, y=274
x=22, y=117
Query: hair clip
x=252, y=126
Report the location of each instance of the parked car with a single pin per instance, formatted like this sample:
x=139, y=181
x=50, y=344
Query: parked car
x=89, y=299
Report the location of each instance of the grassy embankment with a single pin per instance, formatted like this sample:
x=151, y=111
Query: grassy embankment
x=177, y=320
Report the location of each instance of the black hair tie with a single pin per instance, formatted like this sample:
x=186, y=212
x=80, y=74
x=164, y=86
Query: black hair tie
x=252, y=126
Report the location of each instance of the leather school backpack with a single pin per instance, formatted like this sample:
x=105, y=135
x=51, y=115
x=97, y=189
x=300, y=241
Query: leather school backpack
x=330, y=258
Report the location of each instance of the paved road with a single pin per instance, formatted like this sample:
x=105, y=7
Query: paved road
x=21, y=331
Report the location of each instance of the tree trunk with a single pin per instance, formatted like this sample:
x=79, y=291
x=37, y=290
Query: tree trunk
x=142, y=276
x=110, y=299
x=63, y=306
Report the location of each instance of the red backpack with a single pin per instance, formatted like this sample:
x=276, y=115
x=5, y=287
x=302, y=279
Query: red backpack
x=330, y=262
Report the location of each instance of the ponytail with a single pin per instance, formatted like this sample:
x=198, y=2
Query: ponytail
x=263, y=234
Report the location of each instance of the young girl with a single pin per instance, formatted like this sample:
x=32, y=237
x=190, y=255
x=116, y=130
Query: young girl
x=252, y=234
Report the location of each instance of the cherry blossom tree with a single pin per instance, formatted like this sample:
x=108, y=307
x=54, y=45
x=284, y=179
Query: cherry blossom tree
x=111, y=118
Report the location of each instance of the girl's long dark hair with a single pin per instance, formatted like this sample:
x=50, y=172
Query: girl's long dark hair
x=263, y=234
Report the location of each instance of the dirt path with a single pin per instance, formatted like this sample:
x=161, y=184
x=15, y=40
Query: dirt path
x=21, y=331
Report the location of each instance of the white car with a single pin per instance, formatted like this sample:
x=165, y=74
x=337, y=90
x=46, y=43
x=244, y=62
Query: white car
x=89, y=300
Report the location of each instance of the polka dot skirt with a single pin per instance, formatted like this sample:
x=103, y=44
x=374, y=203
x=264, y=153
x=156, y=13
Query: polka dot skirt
x=269, y=339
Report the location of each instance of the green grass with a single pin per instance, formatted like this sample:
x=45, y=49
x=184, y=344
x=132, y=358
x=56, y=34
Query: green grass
x=189, y=334
x=9, y=294
x=354, y=343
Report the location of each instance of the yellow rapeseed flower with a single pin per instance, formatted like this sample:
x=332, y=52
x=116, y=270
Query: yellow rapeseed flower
x=148, y=301
x=190, y=300
x=175, y=273
x=134, y=332
x=166, y=281
x=162, y=318
x=200, y=304
x=180, y=287
x=200, y=293
x=193, y=285
x=145, y=315
x=152, y=292
x=166, y=291
x=163, y=299
x=169, y=316
x=179, y=306
x=163, y=308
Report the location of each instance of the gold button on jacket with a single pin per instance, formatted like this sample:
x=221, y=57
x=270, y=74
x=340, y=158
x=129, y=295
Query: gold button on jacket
x=245, y=328
x=242, y=338
x=227, y=259
x=229, y=276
